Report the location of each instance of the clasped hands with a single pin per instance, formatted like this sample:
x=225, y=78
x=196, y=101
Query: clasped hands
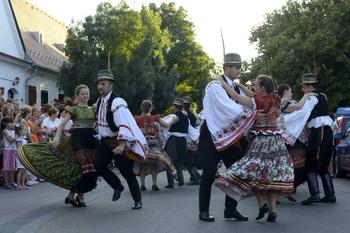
x=118, y=150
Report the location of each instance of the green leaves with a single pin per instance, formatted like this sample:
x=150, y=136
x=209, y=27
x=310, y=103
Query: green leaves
x=303, y=34
x=152, y=54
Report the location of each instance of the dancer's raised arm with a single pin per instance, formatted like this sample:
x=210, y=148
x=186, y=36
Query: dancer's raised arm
x=245, y=90
x=234, y=95
x=297, y=106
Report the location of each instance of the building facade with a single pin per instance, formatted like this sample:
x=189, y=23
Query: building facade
x=31, y=53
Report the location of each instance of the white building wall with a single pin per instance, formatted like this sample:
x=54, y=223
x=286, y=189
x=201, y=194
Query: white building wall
x=45, y=81
x=42, y=81
x=9, y=38
x=8, y=73
x=10, y=68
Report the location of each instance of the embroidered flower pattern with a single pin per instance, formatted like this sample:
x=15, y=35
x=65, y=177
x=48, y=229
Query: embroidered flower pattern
x=233, y=131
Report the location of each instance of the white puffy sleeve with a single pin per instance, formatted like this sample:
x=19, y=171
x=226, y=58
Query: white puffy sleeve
x=128, y=129
x=227, y=120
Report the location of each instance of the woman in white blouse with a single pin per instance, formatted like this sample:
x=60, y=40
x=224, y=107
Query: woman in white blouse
x=51, y=122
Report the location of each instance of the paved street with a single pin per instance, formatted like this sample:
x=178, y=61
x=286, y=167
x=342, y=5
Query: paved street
x=169, y=211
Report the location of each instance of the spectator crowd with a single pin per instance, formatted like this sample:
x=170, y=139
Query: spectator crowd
x=22, y=124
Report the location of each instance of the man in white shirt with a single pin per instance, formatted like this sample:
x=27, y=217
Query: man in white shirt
x=119, y=135
x=320, y=145
x=225, y=122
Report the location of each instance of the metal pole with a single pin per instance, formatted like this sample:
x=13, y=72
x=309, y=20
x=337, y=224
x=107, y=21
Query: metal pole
x=223, y=43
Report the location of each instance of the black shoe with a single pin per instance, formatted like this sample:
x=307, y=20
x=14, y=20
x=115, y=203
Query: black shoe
x=169, y=186
x=79, y=202
x=195, y=182
x=310, y=200
x=137, y=205
x=155, y=188
x=233, y=213
x=312, y=182
x=143, y=188
x=180, y=177
x=272, y=217
x=204, y=216
x=70, y=201
x=328, y=189
x=170, y=179
x=117, y=193
x=328, y=199
x=291, y=198
x=262, y=211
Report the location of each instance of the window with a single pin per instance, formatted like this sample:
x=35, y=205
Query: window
x=44, y=97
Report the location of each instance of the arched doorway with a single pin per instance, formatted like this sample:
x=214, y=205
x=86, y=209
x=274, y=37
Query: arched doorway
x=12, y=94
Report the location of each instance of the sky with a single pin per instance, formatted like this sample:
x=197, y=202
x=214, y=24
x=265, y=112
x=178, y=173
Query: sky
x=235, y=18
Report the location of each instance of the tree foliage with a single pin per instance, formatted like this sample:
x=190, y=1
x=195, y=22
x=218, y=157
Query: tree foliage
x=152, y=54
x=306, y=36
x=195, y=67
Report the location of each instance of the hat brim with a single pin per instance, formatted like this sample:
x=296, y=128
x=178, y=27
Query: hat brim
x=309, y=82
x=103, y=78
x=233, y=63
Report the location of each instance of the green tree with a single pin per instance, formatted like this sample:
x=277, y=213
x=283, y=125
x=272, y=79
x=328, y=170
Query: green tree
x=175, y=21
x=194, y=65
x=307, y=36
x=152, y=54
x=195, y=68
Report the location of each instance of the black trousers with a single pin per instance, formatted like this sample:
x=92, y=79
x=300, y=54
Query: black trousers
x=192, y=159
x=191, y=165
x=319, y=150
x=125, y=166
x=209, y=159
x=176, y=149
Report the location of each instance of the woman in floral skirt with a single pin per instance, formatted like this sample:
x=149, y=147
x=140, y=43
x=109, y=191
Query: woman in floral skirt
x=267, y=168
x=157, y=158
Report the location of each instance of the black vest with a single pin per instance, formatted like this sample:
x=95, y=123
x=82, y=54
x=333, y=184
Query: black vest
x=235, y=87
x=321, y=108
x=181, y=126
x=192, y=118
x=109, y=114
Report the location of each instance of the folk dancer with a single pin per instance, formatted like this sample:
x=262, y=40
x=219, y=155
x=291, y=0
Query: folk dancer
x=120, y=139
x=267, y=167
x=225, y=123
x=320, y=142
